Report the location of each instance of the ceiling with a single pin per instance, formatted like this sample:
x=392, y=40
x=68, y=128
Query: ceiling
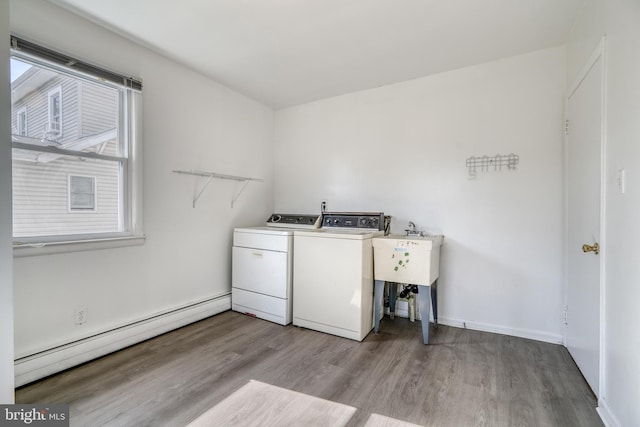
x=288, y=52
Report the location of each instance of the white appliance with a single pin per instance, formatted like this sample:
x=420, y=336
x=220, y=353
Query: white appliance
x=262, y=262
x=333, y=274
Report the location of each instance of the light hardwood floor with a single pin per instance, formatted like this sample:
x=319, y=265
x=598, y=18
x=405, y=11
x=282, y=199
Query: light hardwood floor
x=463, y=378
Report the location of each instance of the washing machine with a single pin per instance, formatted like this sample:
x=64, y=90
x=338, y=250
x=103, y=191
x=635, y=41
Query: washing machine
x=262, y=263
x=333, y=274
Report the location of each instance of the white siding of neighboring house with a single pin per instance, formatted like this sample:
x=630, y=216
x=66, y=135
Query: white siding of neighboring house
x=41, y=198
x=99, y=109
x=41, y=189
x=38, y=109
x=69, y=111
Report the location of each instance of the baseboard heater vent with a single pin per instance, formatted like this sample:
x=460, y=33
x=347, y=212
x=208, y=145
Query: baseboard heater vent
x=36, y=366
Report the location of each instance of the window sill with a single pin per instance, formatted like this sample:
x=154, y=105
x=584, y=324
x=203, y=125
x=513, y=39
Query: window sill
x=49, y=248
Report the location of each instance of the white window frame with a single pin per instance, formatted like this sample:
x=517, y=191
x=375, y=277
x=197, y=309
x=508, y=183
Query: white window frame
x=54, y=127
x=21, y=121
x=94, y=193
x=131, y=212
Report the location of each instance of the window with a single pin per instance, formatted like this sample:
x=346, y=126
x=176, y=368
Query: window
x=82, y=193
x=82, y=184
x=54, y=125
x=21, y=118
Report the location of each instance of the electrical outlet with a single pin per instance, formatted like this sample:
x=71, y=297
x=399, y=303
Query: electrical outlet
x=80, y=315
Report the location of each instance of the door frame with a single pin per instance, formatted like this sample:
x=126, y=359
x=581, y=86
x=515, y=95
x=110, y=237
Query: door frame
x=598, y=53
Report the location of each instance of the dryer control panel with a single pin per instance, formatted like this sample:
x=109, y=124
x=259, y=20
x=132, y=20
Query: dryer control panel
x=360, y=220
x=294, y=221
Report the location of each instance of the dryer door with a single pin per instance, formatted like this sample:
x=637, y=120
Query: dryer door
x=258, y=270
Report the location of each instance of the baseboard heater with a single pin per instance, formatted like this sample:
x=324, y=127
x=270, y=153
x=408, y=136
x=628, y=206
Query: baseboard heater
x=36, y=366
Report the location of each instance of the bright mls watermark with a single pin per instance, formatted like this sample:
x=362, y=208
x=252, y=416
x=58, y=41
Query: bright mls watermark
x=34, y=415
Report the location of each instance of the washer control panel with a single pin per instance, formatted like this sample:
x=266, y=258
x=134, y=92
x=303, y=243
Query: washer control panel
x=294, y=221
x=361, y=220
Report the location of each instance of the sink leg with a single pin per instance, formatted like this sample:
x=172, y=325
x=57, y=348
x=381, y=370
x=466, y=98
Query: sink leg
x=434, y=302
x=393, y=295
x=378, y=296
x=424, y=303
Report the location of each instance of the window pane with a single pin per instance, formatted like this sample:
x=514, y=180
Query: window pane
x=55, y=122
x=81, y=192
x=55, y=192
x=22, y=122
x=41, y=205
x=65, y=111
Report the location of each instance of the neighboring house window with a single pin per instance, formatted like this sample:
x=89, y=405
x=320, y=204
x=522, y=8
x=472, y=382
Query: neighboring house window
x=22, y=121
x=82, y=193
x=54, y=126
x=84, y=184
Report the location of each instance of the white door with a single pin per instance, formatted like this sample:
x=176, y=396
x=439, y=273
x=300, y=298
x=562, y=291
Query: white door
x=584, y=189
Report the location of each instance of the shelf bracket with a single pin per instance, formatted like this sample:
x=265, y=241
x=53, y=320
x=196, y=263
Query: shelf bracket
x=204, y=187
x=210, y=176
x=234, y=198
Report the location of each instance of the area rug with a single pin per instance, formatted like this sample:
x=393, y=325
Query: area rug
x=376, y=420
x=260, y=404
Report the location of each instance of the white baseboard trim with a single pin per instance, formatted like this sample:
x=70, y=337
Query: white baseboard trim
x=42, y=364
x=606, y=415
x=402, y=310
x=486, y=327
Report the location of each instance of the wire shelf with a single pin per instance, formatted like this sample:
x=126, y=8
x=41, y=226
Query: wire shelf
x=497, y=163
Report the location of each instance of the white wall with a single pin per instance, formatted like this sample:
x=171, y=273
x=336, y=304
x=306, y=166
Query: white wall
x=6, y=259
x=402, y=148
x=190, y=122
x=619, y=20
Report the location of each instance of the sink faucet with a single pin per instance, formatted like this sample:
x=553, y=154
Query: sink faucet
x=411, y=231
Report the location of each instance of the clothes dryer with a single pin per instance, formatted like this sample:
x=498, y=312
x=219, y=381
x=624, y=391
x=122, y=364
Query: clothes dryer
x=262, y=262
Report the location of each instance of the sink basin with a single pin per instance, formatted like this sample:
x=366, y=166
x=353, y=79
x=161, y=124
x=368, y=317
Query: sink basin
x=407, y=259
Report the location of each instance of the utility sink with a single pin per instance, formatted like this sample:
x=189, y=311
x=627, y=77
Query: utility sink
x=407, y=259
x=412, y=259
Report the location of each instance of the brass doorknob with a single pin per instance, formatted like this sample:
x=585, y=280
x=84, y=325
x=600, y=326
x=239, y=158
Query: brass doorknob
x=595, y=248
